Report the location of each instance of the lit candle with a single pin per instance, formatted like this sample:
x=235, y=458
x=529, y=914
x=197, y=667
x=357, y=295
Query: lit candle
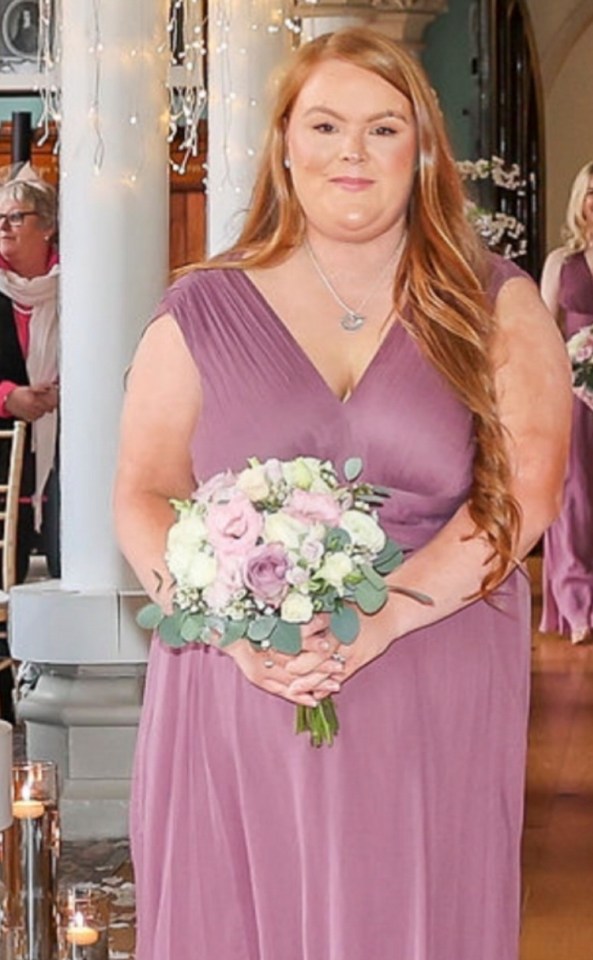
x=27, y=808
x=80, y=934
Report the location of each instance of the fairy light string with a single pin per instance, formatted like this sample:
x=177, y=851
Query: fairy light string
x=188, y=23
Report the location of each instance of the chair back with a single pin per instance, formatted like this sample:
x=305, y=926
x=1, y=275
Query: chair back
x=10, y=487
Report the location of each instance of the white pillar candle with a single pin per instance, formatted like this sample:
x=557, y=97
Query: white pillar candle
x=5, y=774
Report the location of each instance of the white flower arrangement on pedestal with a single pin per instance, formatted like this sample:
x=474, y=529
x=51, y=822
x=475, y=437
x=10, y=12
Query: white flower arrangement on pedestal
x=500, y=230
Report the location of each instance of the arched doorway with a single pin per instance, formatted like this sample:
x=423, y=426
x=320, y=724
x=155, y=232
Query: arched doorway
x=511, y=122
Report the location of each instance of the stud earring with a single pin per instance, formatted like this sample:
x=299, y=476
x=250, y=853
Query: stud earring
x=286, y=163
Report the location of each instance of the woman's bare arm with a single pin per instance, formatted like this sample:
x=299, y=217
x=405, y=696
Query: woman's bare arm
x=162, y=406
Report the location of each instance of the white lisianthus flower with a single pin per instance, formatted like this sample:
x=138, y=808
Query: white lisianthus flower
x=254, y=483
x=334, y=569
x=364, y=530
x=284, y=529
x=296, y=608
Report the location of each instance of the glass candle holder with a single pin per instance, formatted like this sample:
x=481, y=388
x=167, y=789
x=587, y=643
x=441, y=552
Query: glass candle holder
x=29, y=855
x=83, y=927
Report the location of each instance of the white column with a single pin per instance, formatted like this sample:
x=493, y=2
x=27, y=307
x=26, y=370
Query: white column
x=114, y=252
x=246, y=43
x=114, y=246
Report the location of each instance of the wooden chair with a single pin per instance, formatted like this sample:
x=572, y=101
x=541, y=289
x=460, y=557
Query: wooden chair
x=10, y=486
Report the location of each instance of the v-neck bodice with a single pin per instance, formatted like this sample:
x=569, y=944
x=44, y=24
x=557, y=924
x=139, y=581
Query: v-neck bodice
x=576, y=293
x=264, y=397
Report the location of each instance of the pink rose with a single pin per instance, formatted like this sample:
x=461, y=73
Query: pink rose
x=216, y=488
x=233, y=527
x=265, y=573
x=314, y=508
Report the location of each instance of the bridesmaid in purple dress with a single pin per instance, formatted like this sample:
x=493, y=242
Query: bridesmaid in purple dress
x=356, y=315
x=567, y=288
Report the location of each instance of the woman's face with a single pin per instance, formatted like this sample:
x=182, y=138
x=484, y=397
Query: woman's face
x=352, y=144
x=22, y=243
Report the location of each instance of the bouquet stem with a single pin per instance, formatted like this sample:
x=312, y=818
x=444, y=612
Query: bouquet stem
x=320, y=722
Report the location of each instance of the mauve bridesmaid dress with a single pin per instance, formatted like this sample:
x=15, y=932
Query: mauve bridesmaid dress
x=400, y=842
x=568, y=543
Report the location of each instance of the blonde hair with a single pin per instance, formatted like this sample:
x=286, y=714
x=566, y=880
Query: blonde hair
x=574, y=231
x=440, y=280
x=37, y=194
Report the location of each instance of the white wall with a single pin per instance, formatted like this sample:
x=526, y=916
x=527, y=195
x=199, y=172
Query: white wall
x=569, y=126
x=563, y=31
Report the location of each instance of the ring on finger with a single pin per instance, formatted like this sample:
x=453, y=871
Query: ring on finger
x=339, y=658
x=268, y=663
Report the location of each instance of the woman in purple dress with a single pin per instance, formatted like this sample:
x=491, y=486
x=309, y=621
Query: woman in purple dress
x=356, y=315
x=567, y=288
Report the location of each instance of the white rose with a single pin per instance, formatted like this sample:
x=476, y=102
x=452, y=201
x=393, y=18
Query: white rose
x=334, y=569
x=364, y=530
x=296, y=608
x=188, y=531
x=201, y=571
x=179, y=561
x=281, y=528
x=254, y=484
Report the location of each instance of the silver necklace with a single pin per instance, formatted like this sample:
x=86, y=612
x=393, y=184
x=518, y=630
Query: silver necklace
x=353, y=319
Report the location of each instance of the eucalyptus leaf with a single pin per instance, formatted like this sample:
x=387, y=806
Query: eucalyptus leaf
x=326, y=601
x=345, y=625
x=336, y=539
x=414, y=595
x=261, y=628
x=369, y=599
x=170, y=629
x=373, y=499
x=391, y=556
x=352, y=468
x=374, y=578
x=192, y=627
x=233, y=630
x=286, y=637
x=150, y=616
x=382, y=491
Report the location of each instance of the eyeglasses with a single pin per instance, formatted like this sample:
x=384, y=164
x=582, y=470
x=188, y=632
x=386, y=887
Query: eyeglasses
x=16, y=218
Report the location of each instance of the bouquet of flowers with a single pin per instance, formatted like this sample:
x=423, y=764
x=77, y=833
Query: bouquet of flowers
x=580, y=351
x=258, y=553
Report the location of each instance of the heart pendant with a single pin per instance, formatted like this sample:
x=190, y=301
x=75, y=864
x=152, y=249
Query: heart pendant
x=352, y=321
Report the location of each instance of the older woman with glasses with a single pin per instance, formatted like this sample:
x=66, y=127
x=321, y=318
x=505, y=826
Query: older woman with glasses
x=29, y=272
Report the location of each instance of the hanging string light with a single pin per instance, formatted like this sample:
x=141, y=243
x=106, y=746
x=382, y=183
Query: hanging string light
x=186, y=31
x=185, y=38
x=50, y=55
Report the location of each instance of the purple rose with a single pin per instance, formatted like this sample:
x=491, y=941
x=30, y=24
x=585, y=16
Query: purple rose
x=233, y=527
x=265, y=573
